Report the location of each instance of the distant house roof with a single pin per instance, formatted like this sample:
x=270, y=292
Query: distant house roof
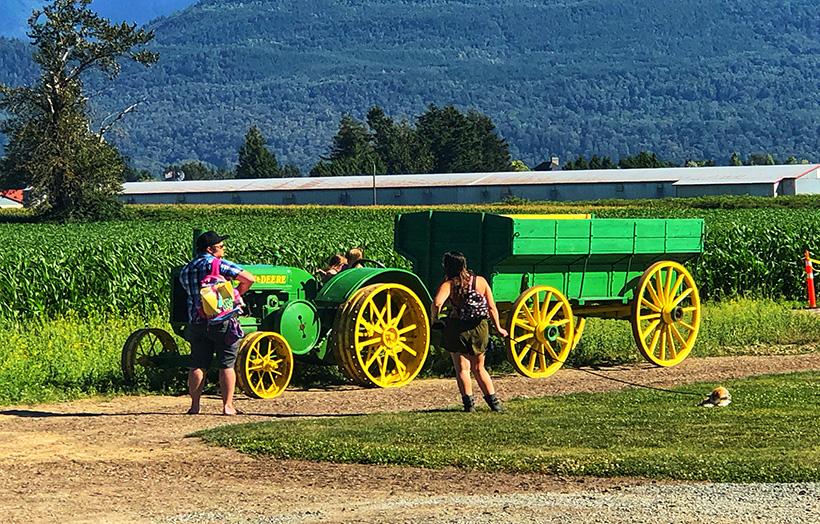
x=15, y=195
x=675, y=175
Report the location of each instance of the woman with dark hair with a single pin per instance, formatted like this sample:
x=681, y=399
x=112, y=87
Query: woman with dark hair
x=465, y=333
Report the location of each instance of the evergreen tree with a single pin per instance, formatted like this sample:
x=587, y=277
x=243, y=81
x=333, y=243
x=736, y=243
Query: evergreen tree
x=351, y=153
x=643, y=159
x=291, y=171
x=581, y=163
x=255, y=160
x=595, y=162
x=761, y=160
x=462, y=143
x=607, y=163
x=398, y=145
x=735, y=160
x=71, y=170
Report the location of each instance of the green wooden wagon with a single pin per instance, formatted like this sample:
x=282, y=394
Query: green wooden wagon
x=549, y=272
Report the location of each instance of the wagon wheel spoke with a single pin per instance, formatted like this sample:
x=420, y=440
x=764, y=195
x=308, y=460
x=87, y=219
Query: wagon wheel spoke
x=533, y=356
x=551, y=351
x=674, y=330
x=528, y=327
x=542, y=359
x=553, y=311
x=680, y=297
x=529, y=315
x=523, y=337
x=655, y=299
x=651, y=305
x=652, y=325
x=667, y=285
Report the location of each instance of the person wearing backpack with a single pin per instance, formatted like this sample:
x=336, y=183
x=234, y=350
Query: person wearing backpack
x=465, y=332
x=206, y=336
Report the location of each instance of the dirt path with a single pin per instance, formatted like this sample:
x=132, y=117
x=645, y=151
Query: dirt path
x=128, y=459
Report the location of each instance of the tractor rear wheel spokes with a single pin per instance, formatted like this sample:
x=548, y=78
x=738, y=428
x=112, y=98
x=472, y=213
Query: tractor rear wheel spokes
x=541, y=332
x=665, y=313
x=383, y=335
x=264, y=364
x=140, y=348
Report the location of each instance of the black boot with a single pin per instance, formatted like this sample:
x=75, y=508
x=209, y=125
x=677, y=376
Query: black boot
x=469, y=403
x=494, y=403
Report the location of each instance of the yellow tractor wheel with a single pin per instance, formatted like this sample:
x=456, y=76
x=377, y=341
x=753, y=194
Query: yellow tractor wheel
x=665, y=313
x=541, y=332
x=264, y=364
x=341, y=338
x=382, y=336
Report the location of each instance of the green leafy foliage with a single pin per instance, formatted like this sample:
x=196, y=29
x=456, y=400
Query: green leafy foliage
x=51, y=150
x=557, y=78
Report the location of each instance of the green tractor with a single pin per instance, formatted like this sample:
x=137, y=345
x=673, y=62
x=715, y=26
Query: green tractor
x=372, y=322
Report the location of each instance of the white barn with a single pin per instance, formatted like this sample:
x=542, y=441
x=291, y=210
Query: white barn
x=472, y=188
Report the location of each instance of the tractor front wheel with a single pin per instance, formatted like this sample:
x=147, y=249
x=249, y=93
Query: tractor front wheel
x=264, y=364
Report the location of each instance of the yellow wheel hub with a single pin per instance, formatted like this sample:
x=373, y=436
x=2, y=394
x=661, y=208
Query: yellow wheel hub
x=665, y=313
x=381, y=336
x=264, y=364
x=542, y=332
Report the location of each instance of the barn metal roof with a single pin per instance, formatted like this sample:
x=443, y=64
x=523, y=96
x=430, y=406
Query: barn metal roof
x=676, y=175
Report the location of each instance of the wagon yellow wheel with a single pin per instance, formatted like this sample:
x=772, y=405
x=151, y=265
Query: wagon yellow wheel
x=542, y=332
x=264, y=364
x=580, y=324
x=665, y=313
x=382, y=336
x=142, y=346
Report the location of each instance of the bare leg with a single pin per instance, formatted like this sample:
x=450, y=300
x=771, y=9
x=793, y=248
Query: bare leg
x=462, y=367
x=227, y=383
x=485, y=383
x=196, y=382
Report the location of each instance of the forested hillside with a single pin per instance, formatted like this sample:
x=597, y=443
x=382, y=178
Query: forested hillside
x=683, y=78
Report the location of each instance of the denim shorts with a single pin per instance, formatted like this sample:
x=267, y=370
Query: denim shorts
x=209, y=339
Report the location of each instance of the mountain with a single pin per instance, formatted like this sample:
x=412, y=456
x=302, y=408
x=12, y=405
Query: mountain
x=681, y=78
x=14, y=14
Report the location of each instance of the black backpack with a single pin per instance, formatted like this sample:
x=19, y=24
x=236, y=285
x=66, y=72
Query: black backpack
x=473, y=304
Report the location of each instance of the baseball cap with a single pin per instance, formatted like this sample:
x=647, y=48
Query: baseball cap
x=208, y=238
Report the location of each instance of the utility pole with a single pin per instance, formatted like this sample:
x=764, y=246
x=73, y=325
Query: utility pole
x=374, y=183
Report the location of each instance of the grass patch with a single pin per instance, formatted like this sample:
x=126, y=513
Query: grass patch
x=66, y=358
x=768, y=434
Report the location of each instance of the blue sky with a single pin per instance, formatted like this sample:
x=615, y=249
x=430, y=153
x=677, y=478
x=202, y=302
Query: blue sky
x=14, y=14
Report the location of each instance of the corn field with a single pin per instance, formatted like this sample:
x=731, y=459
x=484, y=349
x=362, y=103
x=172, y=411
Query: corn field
x=123, y=267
